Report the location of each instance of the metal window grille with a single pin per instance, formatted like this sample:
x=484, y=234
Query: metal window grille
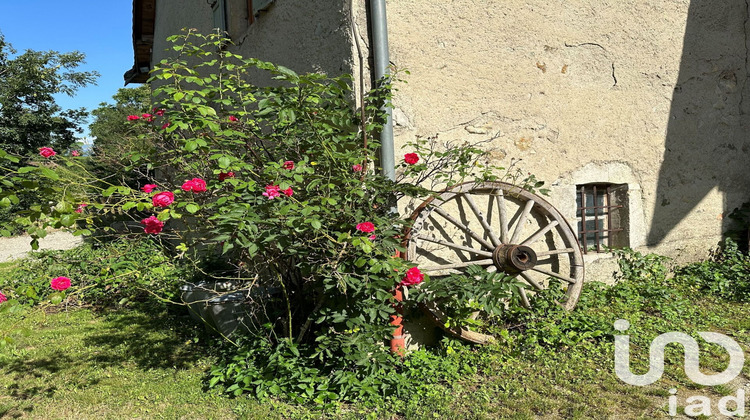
x=599, y=218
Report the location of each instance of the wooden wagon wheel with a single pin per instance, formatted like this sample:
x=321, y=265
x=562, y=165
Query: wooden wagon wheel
x=501, y=227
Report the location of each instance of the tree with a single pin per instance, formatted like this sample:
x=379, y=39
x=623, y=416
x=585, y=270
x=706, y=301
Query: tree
x=113, y=133
x=29, y=116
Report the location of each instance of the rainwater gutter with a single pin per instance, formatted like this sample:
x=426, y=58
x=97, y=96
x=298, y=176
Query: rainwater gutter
x=379, y=25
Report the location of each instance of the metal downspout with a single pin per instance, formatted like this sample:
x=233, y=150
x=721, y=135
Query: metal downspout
x=382, y=62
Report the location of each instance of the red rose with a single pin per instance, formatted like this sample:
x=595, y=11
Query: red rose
x=147, y=117
x=46, y=152
x=232, y=118
x=225, y=175
x=165, y=125
x=60, y=283
x=159, y=112
x=80, y=207
x=194, y=185
x=148, y=188
x=413, y=277
x=163, y=199
x=272, y=191
x=152, y=225
x=411, y=158
x=366, y=227
x=133, y=117
x=288, y=192
x=289, y=165
x=2, y=297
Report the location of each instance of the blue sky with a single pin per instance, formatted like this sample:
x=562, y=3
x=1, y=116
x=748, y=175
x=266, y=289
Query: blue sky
x=100, y=29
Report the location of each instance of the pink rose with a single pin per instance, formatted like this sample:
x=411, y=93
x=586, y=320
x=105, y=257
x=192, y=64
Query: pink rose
x=3, y=298
x=148, y=188
x=357, y=168
x=46, y=152
x=413, y=277
x=232, y=118
x=163, y=199
x=225, y=175
x=152, y=225
x=272, y=191
x=289, y=165
x=366, y=227
x=133, y=117
x=372, y=237
x=80, y=207
x=75, y=153
x=195, y=185
x=60, y=283
x=411, y=158
x=288, y=192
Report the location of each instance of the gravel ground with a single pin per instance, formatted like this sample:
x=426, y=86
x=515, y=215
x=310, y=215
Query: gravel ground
x=18, y=246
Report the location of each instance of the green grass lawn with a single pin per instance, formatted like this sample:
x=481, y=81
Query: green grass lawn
x=109, y=365
x=81, y=363
x=131, y=364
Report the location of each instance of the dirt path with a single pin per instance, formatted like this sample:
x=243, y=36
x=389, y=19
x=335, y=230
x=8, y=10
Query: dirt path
x=18, y=246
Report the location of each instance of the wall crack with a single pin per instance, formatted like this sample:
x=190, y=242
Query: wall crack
x=613, y=74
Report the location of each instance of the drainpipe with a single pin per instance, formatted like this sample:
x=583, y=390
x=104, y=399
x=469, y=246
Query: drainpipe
x=379, y=26
x=380, y=55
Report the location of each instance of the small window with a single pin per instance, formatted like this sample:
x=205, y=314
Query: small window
x=602, y=216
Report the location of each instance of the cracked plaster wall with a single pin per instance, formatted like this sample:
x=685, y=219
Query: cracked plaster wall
x=572, y=88
x=290, y=33
x=585, y=87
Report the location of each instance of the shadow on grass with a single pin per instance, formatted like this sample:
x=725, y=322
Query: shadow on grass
x=148, y=339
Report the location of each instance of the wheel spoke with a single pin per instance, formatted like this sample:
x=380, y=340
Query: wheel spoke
x=481, y=218
x=503, y=215
x=456, y=265
x=455, y=246
x=524, y=298
x=521, y=221
x=466, y=229
x=555, y=275
x=531, y=281
x=540, y=233
x=555, y=252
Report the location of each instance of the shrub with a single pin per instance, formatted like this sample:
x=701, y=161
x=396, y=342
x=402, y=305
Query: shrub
x=277, y=186
x=726, y=274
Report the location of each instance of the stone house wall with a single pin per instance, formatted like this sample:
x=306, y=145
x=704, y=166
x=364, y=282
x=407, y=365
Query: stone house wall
x=645, y=94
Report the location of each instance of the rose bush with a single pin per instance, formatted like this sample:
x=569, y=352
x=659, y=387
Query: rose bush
x=273, y=185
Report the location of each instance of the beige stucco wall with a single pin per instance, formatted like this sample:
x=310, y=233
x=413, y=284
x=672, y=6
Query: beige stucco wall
x=290, y=33
x=647, y=92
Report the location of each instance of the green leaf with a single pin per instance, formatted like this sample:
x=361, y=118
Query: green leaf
x=56, y=298
x=315, y=223
x=49, y=173
x=192, y=207
x=67, y=220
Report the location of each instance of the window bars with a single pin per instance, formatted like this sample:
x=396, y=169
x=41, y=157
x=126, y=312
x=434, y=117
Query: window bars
x=599, y=216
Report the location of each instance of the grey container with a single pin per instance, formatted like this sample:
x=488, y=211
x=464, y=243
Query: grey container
x=220, y=306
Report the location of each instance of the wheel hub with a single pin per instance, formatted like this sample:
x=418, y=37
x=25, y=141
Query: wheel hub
x=514, y=258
